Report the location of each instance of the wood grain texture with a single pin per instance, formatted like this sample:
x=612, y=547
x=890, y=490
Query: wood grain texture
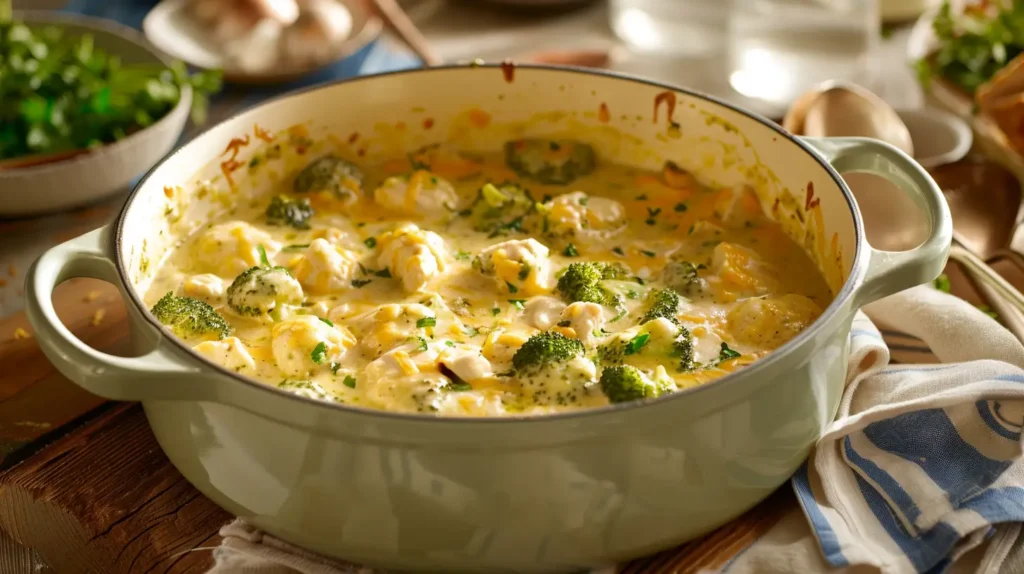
x=106, y=499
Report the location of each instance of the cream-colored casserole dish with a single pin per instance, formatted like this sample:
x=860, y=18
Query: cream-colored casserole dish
x=552, y=492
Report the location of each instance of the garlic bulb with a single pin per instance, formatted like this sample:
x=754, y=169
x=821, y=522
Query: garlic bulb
x=315, y=35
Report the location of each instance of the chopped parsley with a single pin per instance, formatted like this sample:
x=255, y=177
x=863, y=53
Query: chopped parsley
x=462, y=256
x=319, y=354
x=584, y=201
x=360, y=283
x=449, y=344
x=460, y=386
x=349, y=381
x=942, y=283
x=648, y=253
x=642, y=197
x=654, y=212
x=385, y=273
x=524, y=272
x=263, y=255
x=618, y=251
x=517, y=303
x=335, y=367
x=426, y=322
x=636, y=343
x=495, y=311
x=328, y=321
x=370, y=242
x=422, y=344
x=570, y=251
x=295, y=247
x=680, y=207
x=512, y=288
x=726, y=353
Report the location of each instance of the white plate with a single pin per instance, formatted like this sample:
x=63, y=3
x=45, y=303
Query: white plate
x=170, y=28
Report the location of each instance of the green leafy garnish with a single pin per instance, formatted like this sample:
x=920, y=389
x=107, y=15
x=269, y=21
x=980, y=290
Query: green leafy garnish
x=294, y=247
x=425, y=322
x=636, y=343
x=328, y=321
x=61, y=91
x=942, y=283
x=385, y=273
x=973, y=46
x=570, y=251
x=263, y=255
x=726, y=353
x=512, y=288
x=360, y=283
x=319, y=354
x=517, y=303
x=349, y=381
x=370, y=242
x=680, y=207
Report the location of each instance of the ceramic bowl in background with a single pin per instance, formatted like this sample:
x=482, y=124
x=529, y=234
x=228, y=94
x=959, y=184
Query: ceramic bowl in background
x=99, y=173
x=939, y=137
x=170, y=27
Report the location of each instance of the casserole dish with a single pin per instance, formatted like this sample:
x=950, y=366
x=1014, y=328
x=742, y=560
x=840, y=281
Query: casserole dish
x=523, y=494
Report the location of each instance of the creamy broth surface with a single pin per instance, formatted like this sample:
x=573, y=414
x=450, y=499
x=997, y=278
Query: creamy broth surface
x=416, y=283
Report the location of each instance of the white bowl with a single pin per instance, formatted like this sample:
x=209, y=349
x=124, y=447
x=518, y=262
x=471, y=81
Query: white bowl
x=106, y=170
x=939, y=137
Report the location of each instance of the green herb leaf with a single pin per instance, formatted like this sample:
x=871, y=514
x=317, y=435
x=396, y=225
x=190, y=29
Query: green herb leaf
x=370, y=242
x=648, y=253
x=726, y=353
x=517, y=303
x=460, y=386
x=385, y=273
x=319, y=354
x=422, y=344
x=618, y=251
x=495, y=311
x=263, y=255
x=462, y=256
x=680, y=207
x=360, y=283
x=512, y=288
x=349, y=381
x=295, y=247
x=637, y=343
x=570, y=251
x=942, y=283
x=426, y=322
x=328, y=321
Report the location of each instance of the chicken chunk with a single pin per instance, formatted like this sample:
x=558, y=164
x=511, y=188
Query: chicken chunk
x=404, y=379
x=585, y=319
x=205, y=287
x=421, y=193
x=768, y=322
x=520, y=267
x=739, y=272
x=326, y=268
x=584, y=217
x=413, y=255
x=229, y=353
x=390, y=326
x=466, y=363
x=230, y=248
x=543, y=312
x=306, y=343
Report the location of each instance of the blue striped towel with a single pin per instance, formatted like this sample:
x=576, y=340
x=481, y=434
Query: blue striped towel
x=923, y=464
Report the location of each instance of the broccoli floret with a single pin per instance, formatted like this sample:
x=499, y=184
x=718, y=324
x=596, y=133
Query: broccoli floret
x=549, y=161
x=330, y=173
x=544, y=349
x=623, y=383
x=682, y=349
x=500, y=210
x=190, y=318
x=581, y=281
x=682, y=277
x=293, y=212
x=663, y=303
x=259, y=290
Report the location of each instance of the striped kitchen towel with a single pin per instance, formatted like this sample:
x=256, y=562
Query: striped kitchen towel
x=922, y=469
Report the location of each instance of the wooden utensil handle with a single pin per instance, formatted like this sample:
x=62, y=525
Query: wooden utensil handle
x=399, y=21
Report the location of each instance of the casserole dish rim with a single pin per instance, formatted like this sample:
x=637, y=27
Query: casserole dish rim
x=840, y=300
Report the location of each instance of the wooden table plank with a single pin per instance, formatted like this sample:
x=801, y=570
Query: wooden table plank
x=106, y=499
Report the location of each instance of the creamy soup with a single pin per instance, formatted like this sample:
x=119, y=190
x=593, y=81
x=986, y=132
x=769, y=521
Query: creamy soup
x=539, y=280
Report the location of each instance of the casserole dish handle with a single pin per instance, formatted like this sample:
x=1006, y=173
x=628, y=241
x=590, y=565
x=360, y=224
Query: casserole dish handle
x=890, y=272
x=157, y=374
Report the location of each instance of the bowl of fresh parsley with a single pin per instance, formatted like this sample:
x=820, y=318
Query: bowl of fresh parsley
x=86, y=106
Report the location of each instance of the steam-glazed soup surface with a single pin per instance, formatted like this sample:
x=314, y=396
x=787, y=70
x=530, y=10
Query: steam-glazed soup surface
x=539, y=280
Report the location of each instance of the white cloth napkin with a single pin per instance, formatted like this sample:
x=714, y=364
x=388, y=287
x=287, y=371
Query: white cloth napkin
x=920, y=472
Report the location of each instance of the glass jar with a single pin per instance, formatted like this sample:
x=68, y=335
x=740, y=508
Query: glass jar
x=777, y=49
